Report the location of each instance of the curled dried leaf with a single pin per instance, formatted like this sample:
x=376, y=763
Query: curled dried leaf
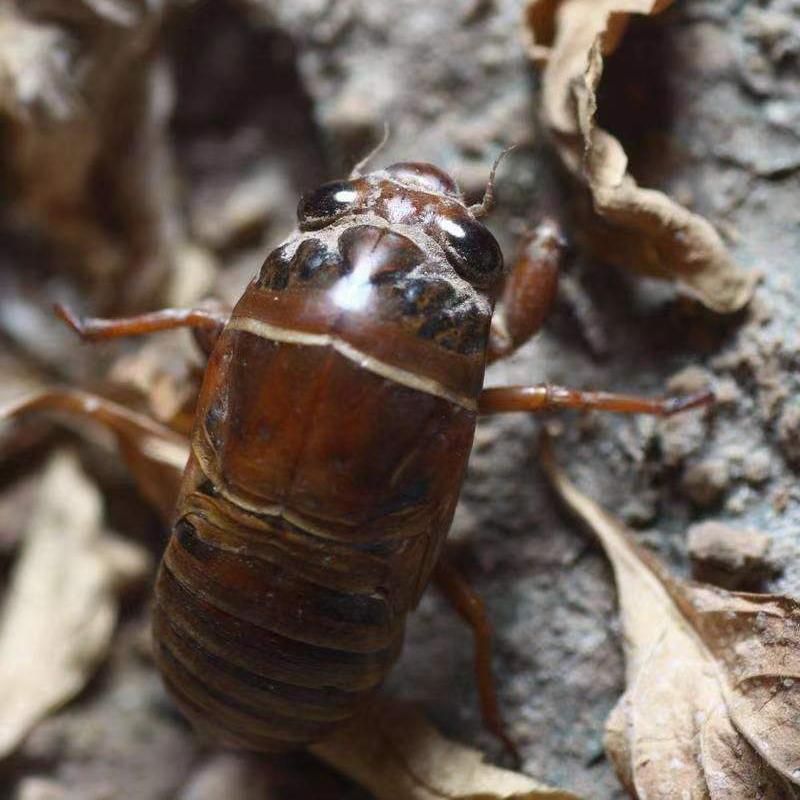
x=712, y=706
x=61, y=607
x=393, y=752
x=637, y=228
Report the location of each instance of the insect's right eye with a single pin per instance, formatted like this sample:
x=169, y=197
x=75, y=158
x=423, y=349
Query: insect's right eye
x=323, y=205
x=473, y=251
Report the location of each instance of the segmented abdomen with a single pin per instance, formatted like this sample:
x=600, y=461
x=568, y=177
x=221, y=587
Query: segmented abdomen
x=256, y=652
x=323, y=479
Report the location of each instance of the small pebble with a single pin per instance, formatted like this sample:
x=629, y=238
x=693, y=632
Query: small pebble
x=706, y=481
x=726, y=556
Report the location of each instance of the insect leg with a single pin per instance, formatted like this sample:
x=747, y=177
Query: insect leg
x=544, y=397
x=529, y=291
x=526, y=299
x=155, y=454
x=472, y=610
x=206, y=323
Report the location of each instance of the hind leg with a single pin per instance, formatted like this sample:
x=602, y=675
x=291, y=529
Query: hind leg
x=155, y=454
x=471, y=609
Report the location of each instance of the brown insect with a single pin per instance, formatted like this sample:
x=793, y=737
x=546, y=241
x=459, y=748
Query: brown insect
x=331, y=438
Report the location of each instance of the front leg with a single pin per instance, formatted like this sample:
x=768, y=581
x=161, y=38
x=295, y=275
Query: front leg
x=526, y=300
x=206, y=324
x=529, y=291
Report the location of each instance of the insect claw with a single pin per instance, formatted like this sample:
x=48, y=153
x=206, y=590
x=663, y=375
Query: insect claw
x=509, y=747
x=676, y=405
x=64, y=314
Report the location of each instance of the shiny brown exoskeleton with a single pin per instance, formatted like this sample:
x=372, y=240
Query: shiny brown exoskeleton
x=331, y=438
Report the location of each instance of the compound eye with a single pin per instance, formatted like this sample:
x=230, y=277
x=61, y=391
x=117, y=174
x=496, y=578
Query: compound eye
x=473, y=250
x=321, y=206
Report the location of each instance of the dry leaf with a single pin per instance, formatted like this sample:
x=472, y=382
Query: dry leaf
x=17, y=501
x=394, y=753
x=637, y=228
x=85, y=78
x=61, y=607
x=712, y=708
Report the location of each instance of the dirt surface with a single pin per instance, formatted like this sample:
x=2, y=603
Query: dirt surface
x=269, y=99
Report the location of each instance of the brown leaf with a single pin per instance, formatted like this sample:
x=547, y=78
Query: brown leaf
x=61, y=607
x=712, y=708
x=637, y=228
x=85, y=78
x=394, y=753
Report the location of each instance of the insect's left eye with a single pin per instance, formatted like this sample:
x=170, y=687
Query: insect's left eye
x=322, y=205
x=473, y=250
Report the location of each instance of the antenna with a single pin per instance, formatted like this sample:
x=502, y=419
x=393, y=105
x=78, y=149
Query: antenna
x=485, y=206
x=356, y=172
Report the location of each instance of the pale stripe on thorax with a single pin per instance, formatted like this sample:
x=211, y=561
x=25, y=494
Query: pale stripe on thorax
x=402, y=376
